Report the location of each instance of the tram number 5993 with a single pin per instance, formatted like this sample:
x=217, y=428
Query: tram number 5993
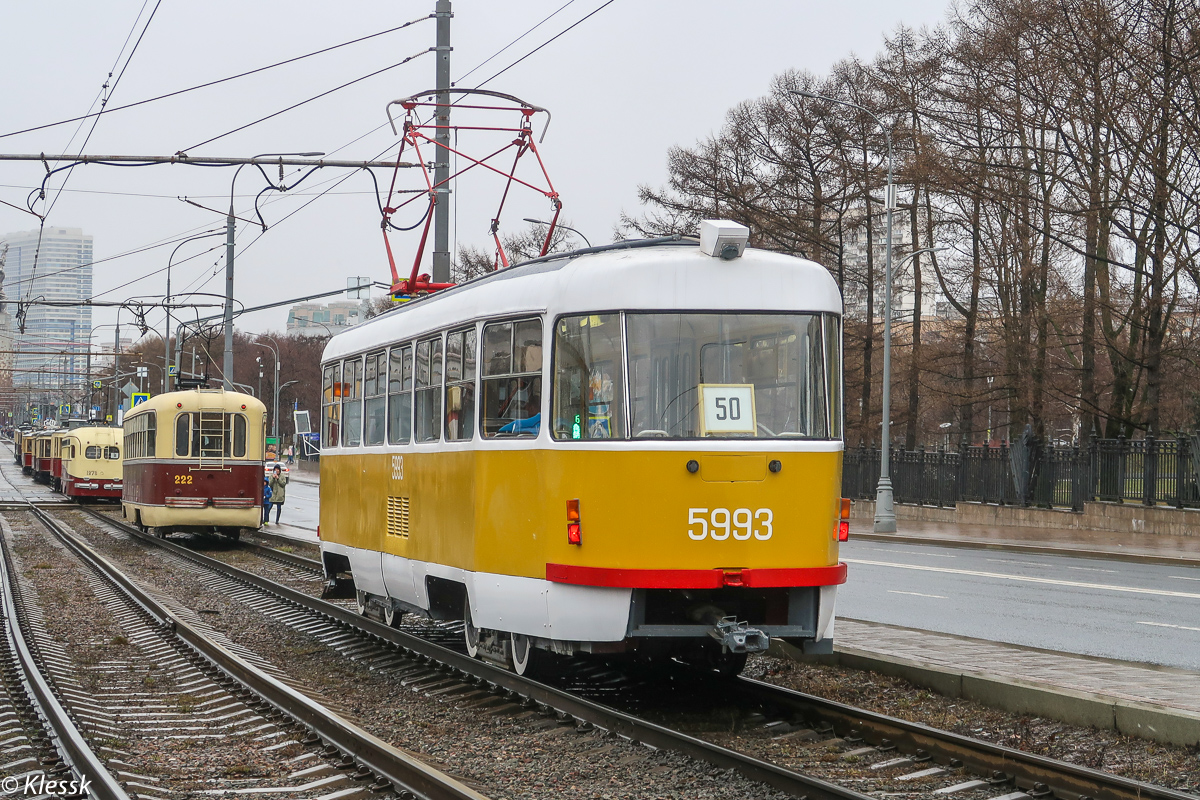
x=719, y=523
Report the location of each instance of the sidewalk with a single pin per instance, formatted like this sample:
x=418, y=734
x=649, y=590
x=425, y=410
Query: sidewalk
x=1143, y=700
x=1130, y=545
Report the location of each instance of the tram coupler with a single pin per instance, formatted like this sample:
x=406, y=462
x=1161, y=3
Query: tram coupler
x=739, y=637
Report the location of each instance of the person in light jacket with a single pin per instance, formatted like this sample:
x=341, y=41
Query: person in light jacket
x=278, y=490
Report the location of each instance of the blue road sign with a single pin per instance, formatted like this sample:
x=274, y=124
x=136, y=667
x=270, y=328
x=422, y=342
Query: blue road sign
x=140, y=397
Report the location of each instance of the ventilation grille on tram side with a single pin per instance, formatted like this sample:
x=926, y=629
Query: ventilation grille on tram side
x=397, y=516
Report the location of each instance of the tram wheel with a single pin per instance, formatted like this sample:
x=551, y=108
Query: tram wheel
x=527, y=660
x=360, y=602
x=391, y=616
x=470, y=632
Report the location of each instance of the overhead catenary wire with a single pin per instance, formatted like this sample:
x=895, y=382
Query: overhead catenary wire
x=95, y=121
x=547, y=42
x=294, y=106
x=219, y=81
x=487, y=60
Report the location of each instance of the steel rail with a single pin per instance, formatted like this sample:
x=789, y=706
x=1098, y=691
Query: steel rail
x=616, y=722
x=1027, y=770
x=68, y=740
x=392, y=765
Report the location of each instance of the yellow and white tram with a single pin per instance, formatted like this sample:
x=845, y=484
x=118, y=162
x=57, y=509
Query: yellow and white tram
x=193, y=462
x=90, y=463
x=629, y=448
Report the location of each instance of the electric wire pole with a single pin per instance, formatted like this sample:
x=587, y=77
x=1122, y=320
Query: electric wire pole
x=441, y=171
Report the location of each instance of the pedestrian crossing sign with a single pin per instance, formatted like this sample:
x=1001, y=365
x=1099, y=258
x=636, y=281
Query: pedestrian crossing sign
x=96, y=384
x=140, y=397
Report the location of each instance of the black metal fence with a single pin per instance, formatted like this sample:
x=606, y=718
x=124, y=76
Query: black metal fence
x=1150, y=471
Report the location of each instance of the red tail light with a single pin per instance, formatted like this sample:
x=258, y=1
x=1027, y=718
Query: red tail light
x=318, y=531
x=843, y=527
x=574, y=529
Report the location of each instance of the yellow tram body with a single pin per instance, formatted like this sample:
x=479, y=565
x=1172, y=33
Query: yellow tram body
x=604, y=514
x=480, y=511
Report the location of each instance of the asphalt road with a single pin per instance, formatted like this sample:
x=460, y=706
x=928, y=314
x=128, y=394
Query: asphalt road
x=301, y=506
x=1114, y=609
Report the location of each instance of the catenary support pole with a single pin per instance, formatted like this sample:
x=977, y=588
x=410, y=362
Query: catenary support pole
x=227, y=367
x=441, y=172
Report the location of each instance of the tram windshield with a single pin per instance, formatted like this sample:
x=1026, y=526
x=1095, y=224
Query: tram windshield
x=693, y=375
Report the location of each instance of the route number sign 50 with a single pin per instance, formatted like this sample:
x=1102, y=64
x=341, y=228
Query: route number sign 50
x=727, y=408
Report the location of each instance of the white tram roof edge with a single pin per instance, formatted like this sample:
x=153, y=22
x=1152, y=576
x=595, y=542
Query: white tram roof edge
x=664, y=277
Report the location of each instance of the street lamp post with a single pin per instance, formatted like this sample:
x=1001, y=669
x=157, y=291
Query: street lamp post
x=275, y=418
x=885, y=511
x=167, y=306
x=559, y=225
x=229, y=247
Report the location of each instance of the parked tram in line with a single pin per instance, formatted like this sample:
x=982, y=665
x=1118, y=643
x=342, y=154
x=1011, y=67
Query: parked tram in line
x=633, y=448
x=27, y=441
x=43, y=457
x=193, y=463
x=19, y=436
x=91, y=467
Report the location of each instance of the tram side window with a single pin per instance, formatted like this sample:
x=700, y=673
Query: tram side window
x=183, y=428
x=239, y=434
x=428, y=414
x=833, y=369
x=140, y=434
x=512, y=378
x=352, y=403
x=588, y=378
x=93, y=452
x=460, y=385
x=331, y=398
x=375, y=400
x=399, y=387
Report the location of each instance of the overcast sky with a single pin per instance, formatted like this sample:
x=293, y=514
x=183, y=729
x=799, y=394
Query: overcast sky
x=623, y=86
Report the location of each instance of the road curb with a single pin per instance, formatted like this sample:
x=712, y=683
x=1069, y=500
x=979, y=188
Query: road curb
x=1150, y=721
x=1014, y=547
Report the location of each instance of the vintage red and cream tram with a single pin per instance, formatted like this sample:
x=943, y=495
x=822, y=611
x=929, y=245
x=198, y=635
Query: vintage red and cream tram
x=193, y=462
x=91, y=463
x=43, y=457
x=633, y=448
x=28, y=439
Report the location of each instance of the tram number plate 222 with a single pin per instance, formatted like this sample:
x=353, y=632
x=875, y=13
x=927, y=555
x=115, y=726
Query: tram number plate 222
x=720, y=523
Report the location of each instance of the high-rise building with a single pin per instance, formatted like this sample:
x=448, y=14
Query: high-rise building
x=52, y=348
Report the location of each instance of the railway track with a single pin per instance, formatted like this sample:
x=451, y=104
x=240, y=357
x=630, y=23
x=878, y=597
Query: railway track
x=834, y=739
x=221, y=692
x=34, y=725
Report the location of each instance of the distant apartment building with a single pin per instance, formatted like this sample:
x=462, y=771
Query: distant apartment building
x=320, y=319
x=933, y=302
x=51, y=350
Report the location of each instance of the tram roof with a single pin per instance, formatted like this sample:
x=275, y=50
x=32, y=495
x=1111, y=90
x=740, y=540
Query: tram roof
x=198, y=399
x=652, y=275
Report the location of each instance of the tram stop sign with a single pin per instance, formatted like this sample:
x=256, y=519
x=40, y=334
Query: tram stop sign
x=140, y=397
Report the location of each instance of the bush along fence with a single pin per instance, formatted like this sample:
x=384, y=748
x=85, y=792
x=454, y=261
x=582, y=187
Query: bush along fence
x=1149, y=471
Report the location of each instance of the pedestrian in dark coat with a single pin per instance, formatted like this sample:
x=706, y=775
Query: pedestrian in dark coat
x=266, y=500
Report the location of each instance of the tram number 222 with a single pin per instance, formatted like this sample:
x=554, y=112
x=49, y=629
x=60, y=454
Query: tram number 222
x=719, y=523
